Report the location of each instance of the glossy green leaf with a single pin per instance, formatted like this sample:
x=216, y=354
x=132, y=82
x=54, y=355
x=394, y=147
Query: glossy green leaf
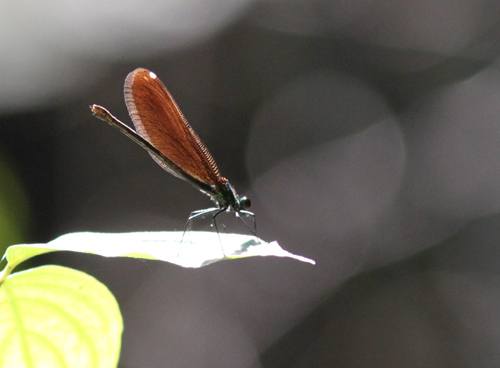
x=55, y=317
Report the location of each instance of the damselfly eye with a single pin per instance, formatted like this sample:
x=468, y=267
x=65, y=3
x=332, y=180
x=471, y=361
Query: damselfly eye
x=245, y=203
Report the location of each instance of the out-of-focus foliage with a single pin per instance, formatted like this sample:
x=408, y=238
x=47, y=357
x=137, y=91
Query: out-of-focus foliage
x=14, y=213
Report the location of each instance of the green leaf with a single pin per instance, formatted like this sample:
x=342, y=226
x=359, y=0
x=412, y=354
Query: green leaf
x=54, y=316
x=202, y=249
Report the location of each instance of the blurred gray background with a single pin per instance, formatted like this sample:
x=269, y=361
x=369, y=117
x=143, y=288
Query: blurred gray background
x=367, y=134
